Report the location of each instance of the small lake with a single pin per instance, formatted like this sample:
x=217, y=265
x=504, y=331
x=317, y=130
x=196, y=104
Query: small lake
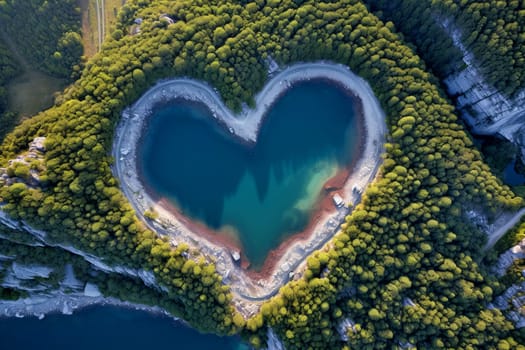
x=107, y=327
x=511, y=177
x=262, y=193
x=33, y=92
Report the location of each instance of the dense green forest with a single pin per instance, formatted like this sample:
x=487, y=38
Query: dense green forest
x=47, y=35
x=8, y=70
x=491, y=30
x=404, y=269
x=46, y=32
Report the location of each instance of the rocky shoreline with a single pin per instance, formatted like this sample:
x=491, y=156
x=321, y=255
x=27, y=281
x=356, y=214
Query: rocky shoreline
x=66, y=303
x=249, y=291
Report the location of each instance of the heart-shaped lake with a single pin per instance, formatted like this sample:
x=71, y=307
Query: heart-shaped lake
x=263, y=192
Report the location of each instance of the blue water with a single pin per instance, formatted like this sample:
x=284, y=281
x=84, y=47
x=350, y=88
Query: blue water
x=261, y=193
x=511, y=177
x=107, y=327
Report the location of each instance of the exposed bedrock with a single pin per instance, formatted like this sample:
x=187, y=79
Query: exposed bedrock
x=147, y=277
x=486, y=110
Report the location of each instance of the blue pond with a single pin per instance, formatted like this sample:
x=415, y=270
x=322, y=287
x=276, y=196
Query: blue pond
x=106, y=327
x=511, y=177
x=263, y=193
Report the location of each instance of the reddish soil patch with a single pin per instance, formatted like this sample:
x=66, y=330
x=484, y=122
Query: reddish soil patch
x=324, y=207
x=222, y=239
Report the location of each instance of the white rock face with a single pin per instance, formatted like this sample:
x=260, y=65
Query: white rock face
x=485, y=109
x=91, y=290
x=6, y=257
x=274, y=343
x=7, y=221
x=406, y=345
x=70, y=280
x=344, y=327
x=28, y=272
x=38, y=305
x=512, y=301
x=38, y=145
x=407, y=302
x=35, y=153
x=37, y=233
x=11, y=281
x=67, y=309
x=146, y=276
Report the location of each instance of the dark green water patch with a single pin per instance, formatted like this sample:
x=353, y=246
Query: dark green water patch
x=263, y=193
x=33, y=92
x=511, y=175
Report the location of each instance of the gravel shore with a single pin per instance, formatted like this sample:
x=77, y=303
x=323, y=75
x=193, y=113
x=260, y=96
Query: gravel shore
x=249, y=292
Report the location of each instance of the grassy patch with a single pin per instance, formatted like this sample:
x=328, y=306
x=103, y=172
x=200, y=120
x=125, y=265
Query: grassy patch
x=111, y=9
x=90, y=25
x=33, y=92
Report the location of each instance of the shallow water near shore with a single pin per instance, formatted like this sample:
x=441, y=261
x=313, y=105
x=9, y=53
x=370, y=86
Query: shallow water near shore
x=107, y=327
x=261, y=193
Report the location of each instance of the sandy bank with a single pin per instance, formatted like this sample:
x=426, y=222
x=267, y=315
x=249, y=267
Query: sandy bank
x=248, y=291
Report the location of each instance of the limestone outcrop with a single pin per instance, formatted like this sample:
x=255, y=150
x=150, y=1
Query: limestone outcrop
x=26, y=167
x=486, y=110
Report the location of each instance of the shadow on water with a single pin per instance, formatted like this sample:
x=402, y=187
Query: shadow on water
x=108, y=327
x=511, y=176
x=255, y=188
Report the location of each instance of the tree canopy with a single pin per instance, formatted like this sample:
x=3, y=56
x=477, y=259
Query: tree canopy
x=46, y=32
x=491, y=30
x=405, y=266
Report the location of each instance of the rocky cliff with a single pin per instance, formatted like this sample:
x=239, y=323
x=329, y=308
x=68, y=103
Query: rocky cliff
x=486, y=110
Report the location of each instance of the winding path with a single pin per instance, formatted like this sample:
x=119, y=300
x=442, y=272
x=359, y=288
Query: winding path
x=497, y=234
x=101, y=22
x=245, y=125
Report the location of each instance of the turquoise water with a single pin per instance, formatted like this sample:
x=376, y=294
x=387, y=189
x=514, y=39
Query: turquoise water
x=260, y=193
x=107, y=327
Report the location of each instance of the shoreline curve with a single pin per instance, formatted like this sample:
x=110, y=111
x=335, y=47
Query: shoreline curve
x=248, y=293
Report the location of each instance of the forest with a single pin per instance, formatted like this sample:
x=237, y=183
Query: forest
x=8, y=70
x=406, y=267
x=492, y=31
x=54, y=46
x=46, y=33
